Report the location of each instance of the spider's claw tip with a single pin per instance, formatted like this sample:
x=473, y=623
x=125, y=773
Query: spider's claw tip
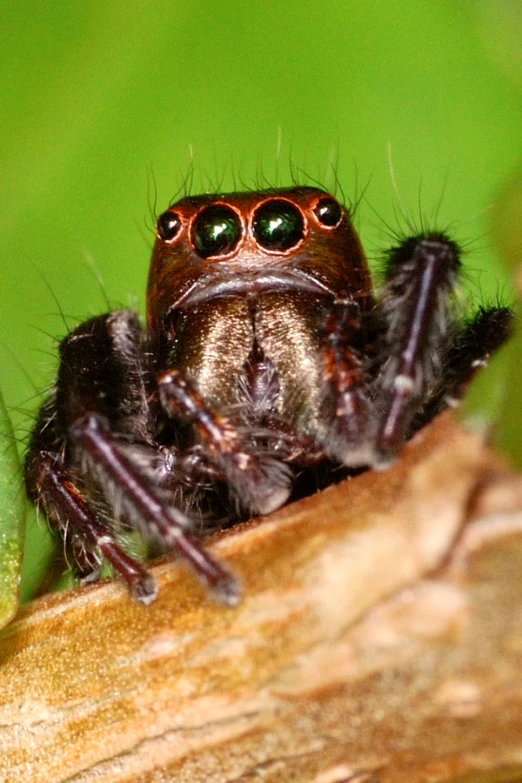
x=227, y=591
x=383, y=460
x=145, y=590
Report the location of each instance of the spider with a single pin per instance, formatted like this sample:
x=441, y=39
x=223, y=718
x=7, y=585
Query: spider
x=267, y=362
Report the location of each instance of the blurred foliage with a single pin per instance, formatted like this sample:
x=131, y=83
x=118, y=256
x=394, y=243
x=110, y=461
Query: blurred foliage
x=112, y=109
x=12, y=510
x=505, y=376
x=494, y=399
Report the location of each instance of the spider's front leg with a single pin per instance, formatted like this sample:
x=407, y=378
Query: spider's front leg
x=85, y=534
x=418, y=358
x=93, y=456
x=427, y=358
x=257, y=482
x=346, y=404
x=416, y=304
x=130, y=487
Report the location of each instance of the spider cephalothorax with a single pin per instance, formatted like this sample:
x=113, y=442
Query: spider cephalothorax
x=266, y=354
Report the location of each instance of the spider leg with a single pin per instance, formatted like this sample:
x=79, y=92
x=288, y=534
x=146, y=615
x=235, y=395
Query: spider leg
x=472, y=346
x=260, y=483
x=127, y=488
x=349, y=435
x=85, y=531
x=416, y=306
x=99, y=428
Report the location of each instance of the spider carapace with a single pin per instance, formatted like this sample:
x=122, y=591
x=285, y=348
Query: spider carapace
x=266, y=358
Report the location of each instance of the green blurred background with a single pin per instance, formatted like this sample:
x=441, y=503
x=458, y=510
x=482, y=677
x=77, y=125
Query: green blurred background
x=107, y=107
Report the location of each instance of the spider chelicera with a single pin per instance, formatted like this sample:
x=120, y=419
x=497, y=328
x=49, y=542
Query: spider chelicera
x=267, y=361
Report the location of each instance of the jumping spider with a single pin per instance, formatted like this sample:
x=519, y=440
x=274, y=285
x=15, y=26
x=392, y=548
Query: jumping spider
x=266, y=355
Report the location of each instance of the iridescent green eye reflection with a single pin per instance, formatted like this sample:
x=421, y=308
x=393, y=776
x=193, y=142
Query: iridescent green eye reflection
x=216, y=231
x=278, y=225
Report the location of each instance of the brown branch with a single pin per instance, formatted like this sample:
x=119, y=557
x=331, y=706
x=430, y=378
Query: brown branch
x=379, y=639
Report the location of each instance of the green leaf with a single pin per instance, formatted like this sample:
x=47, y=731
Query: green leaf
x=492, y=404
x=506, y=229
x=12, y=519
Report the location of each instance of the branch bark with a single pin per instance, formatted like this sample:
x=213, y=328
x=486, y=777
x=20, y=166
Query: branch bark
x=379, y=639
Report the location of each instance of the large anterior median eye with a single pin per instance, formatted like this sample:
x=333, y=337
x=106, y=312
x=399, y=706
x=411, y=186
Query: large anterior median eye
x=216, y=231
x=278, y=225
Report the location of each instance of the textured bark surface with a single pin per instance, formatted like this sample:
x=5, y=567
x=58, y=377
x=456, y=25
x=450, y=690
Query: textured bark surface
x=379, y=639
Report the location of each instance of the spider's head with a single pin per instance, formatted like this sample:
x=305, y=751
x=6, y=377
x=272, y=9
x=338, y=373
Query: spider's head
x=244, y=244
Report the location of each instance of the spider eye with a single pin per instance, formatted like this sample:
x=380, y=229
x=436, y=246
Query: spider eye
x=216, y=231
x=328, y=212
x=278, y=225
x=168, y=226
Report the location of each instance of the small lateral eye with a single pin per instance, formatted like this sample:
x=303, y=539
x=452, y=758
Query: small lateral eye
x=278, y=225
x=168, y=226
x=216, y=231
x=328, y=212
